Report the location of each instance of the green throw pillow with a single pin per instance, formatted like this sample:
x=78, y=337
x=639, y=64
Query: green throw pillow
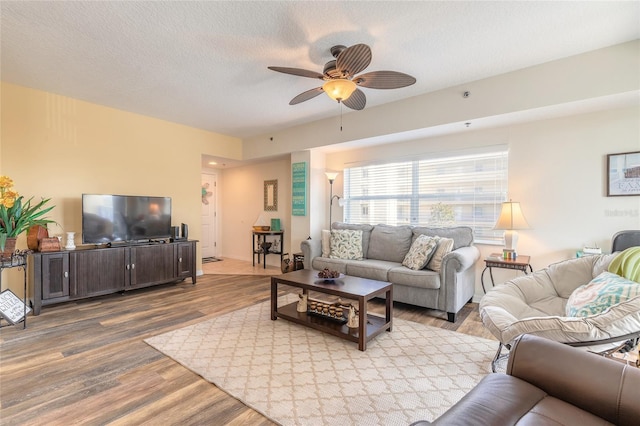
x=627, y=264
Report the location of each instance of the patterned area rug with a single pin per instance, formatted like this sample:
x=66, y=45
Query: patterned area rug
x=298, y=376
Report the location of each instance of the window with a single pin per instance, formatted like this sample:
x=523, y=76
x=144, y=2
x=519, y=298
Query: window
x=452, y=189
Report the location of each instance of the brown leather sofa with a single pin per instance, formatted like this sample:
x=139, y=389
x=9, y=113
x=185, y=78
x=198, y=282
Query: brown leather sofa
x=548, y=383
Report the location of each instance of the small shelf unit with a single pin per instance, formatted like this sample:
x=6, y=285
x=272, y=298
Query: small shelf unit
x=258, y=238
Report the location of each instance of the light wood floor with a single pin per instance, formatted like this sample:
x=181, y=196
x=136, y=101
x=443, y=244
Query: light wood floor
x=238, y=267
x=86, y=362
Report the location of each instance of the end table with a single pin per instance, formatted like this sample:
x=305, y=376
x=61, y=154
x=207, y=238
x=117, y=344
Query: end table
x=259, y=238
x=520, y=263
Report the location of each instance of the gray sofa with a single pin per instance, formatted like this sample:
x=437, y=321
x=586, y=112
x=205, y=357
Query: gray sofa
x=384, y=247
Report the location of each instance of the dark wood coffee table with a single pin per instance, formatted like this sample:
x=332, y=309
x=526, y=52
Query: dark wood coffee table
x=354, y=288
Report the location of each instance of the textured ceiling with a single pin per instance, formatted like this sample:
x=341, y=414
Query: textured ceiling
x=204, y=64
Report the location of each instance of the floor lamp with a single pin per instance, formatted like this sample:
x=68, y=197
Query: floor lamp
x=331, y=176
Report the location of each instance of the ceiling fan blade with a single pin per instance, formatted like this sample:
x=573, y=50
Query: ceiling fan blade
x=297, y=71
x=305, y=96
x=384, y=80
x=353, y=59
x=356, y=101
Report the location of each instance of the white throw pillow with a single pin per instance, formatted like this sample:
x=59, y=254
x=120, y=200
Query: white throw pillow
x=420, y=252
x=346, y=244
x=445, y=245
x=604, y=291
x=326, y=242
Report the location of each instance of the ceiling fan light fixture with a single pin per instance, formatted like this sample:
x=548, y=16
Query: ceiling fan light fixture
x=339, y=89
x=342, y=81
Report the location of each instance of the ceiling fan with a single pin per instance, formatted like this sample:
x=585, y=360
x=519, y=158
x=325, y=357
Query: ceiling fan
x=341, y=82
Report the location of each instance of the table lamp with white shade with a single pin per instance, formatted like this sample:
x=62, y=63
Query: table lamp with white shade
x=511, y=219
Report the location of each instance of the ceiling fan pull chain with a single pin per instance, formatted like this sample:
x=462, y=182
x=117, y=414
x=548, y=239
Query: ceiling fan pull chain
x=340, y=116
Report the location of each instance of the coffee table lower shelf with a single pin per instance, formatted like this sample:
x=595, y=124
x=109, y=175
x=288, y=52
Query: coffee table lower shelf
x=375, y=324
x=350, y=288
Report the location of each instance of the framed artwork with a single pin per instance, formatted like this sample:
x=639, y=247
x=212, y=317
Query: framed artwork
x=271, y=195
x=299, y=189
x=623, y=174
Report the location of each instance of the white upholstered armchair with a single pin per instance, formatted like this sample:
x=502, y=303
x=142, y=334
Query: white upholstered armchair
x=537, y=304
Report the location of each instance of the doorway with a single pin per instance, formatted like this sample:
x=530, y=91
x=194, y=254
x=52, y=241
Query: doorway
x=209, y=228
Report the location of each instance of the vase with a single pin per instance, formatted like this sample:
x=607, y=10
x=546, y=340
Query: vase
x=71, y=244
x=34, y=235
x=9, y=247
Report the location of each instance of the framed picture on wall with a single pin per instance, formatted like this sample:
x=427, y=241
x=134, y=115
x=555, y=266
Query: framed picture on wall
x=623, y=174
x=271, y=195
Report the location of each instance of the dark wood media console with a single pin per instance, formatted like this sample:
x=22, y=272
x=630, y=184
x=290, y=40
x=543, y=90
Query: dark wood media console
x=88, y=272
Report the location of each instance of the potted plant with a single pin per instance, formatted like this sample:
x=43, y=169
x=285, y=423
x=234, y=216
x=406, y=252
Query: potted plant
x=18, y=215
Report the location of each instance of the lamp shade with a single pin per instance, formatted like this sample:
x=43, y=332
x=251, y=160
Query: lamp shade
x=511, y=217
x=331, y=176
x=339, y=89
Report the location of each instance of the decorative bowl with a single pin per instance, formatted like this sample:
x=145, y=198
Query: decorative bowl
x=261, y=228
x=339, y=277
x=266, y=246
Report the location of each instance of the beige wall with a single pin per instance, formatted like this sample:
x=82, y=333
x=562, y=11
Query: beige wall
x=58, y=147
x=556, y=166
x=241, y=203
x=565, y=82
x=557, y=170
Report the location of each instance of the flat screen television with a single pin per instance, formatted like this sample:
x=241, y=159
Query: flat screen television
x=124, y=218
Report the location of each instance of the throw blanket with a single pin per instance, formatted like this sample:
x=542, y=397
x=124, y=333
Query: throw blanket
x=627, y=264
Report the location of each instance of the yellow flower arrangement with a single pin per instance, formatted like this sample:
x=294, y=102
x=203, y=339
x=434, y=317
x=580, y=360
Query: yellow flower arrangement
x=16, y=215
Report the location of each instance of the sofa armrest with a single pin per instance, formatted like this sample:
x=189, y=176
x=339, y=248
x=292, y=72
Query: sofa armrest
x=457, y=279
x=461, y=259
x=310, y=250
x=601, y=386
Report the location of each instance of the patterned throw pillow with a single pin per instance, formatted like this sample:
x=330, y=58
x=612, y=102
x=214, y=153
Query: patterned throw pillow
x=346, y=244
x=604, y=291
x=420, y=252
x=445, y=245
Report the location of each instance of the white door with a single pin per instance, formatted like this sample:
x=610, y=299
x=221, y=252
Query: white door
x=208, y=242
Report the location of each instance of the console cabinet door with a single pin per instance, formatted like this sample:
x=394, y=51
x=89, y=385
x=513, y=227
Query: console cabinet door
x=186, y=260
x=97, y=272
x=55, y=276
x=150, y=265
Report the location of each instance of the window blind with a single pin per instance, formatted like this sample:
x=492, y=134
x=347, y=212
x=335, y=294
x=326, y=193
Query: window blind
x=452, y=189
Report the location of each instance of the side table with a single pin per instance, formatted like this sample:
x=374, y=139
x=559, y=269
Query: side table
x=260, y=249
x=521, y=263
